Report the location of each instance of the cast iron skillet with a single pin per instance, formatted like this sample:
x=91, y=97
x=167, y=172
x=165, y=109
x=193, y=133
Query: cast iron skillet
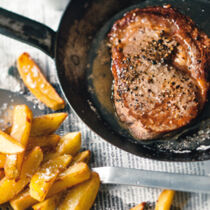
x=74, y=46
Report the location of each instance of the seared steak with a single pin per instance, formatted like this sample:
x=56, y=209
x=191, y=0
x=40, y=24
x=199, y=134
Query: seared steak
x=159, y=65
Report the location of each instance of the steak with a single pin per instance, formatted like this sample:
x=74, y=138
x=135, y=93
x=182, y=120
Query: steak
x=159, y=64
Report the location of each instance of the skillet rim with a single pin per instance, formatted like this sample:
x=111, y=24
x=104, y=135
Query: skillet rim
x=128, y=146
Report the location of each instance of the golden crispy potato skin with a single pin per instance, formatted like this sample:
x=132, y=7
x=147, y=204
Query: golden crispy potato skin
x=2, y=160
x=165, y=200
x=48, y=204
x=47, y=124
x=69, y=144
x=37, y=83
x=9, y=145
x=44, y=178
x=42, y=181
x=30, y=165
x=21, y=127
x=72, y=176
x=49, y=141
x=82, y=157
x=83, y=195
x=23, y=200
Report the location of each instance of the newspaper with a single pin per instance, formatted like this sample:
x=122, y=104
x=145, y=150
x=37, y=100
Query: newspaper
x=110, y=197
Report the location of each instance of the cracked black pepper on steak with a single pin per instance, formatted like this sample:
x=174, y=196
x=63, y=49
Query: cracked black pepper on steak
x=159, y=64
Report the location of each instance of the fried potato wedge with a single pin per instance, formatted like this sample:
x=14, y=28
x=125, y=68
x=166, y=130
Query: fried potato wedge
x=47, y=124
x=22, y=119
x=13, y=165
x=139, y=207
x=2, y=160
x=9, y=145
x=69, y=144
x=36, y=82
x=83, y=195
x=23, y=200
x=9, y=188
x=48, y=204
x=82, y=157
x=165, y=200
x=21, y=127
x=43, y=141
x=43, y=179
x=72, y=176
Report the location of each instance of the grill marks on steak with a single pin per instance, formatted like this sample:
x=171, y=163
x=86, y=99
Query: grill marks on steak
x=159, y=70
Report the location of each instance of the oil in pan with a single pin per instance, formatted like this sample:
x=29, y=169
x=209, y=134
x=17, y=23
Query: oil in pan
x=194, y=137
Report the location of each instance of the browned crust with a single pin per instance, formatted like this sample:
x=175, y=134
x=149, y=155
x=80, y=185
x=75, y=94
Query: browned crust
x=184, y=31
x=187, y=31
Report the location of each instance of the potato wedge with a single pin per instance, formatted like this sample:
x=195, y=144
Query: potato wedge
x=36, y=82
x=83, y=195
x=69, y=144
x=9, y=188
x=165, y=200
x=48, y=204
x=47, y=124
x=9, y=145
x=43, y=141
x=23, y=200
x=72, y=176
x=139, y=207
x=43, y=179
x=82, y=157
x=22, y=119
x=2, y=160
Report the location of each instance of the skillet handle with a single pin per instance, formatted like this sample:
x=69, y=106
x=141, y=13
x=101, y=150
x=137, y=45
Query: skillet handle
x=28, y=31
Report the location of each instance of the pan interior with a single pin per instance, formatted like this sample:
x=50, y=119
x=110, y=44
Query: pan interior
x=83, y=63
x=99, y=79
